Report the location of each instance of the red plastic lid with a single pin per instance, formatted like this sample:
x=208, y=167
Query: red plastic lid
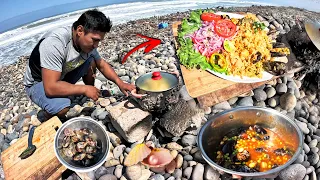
x=156, y=75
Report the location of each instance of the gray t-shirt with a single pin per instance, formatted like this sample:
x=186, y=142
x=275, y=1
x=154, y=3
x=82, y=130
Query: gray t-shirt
x=55, y=52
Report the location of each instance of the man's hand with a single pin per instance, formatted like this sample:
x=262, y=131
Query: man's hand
x=124, y=87
x=92, y=92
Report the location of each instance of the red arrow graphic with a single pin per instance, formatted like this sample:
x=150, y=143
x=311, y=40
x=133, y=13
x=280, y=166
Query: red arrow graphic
x=151, y=43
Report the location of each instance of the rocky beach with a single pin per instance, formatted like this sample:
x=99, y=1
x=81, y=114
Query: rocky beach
x=286, y=94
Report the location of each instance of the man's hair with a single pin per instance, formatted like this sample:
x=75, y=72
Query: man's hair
x=93, y=20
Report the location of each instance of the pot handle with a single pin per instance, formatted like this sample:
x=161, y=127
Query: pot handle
x=135, y=94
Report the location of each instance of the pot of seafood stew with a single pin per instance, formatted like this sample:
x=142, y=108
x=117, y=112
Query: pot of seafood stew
x=250, y=141
x=81, y=144
x=156, y=91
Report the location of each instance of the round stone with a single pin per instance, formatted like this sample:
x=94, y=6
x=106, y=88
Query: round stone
x=288, y=101
x=281, y=88
x=270, y=92
x=133, y=172
x=260, y=95
x=295, y=171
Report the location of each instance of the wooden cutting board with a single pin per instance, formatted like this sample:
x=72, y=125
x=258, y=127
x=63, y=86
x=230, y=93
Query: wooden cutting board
x=42, y=164
x=208, y=88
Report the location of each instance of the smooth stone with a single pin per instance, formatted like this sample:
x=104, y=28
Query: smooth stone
x=177, y=173
x=111, y=163
x=288, y=101
x=223, y=105
x=117, y=151
x=303, y=127
x=188, y=157
x=197, y=173
x=103, y=115
x=300, y=159
x=174, y=146
x=157, y=177
x=187, y=172
x=179, y=161
x=313, y=159
x=306, y=148
x=145, y=174
x=108, y=177
x=309, y=170
x=171, y=178
x=198, y=157
x=192, y=163
x=271, y=92
x=260, y=95
x=189, y=140
x=272, y=102
x=297, y=93
x=295, y=171
x=313, y=143
x=134, y=172
x=210, y=173
x=246, y=101
x=100, y=172
x=233, y=100
x=260, y=104
x=281, y=88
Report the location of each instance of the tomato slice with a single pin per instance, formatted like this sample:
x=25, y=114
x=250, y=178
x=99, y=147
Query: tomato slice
x=225, y=28
x=206, y=16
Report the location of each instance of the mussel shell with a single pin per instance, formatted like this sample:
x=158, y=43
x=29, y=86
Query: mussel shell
x=68, y=132
x=66, y=141
x=259, y=129
x=228, y=147
x=79, y=157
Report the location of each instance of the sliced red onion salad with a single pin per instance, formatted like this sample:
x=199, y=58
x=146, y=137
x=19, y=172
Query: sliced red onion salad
x=206, y=41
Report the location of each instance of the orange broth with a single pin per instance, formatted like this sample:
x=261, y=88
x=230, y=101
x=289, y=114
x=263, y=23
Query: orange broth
x=262, y=151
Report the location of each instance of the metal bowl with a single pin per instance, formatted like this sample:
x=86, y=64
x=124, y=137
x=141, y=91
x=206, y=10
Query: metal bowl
x=102, y=140
x=218, y=126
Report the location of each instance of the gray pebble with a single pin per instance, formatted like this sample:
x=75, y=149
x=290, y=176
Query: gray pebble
x=177, y=173
x=166, y=175
x=309, y=170
x=171, y=178
x=260, y=104
x=270, y=92
x=117, y=151
x=100, y=172
x=288, y=101
x=118, y=171
x=233, y=100
x=281, y=88
x=223, y=105
x=188, y=158
x=306, y=163
x=272, y=102
x=246, y=101
x=313, y=143
x=197, y=173
x=210, y=173
x=299, y=159
x=306, y=148
x=260, y=95
x=303, y=127
x=187, y=172
x=294, y=171
x=315, y=149
x=313, y=159
x=157, y=177
x=189, y=140
x=184, y=164
x=108, y=177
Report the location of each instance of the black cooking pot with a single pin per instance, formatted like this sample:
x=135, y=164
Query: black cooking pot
x=157, y=91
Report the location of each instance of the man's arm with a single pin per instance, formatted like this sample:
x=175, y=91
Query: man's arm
x=53, y=87
x=109, y=73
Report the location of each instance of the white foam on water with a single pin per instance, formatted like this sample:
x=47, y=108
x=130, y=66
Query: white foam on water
x=20, y=41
